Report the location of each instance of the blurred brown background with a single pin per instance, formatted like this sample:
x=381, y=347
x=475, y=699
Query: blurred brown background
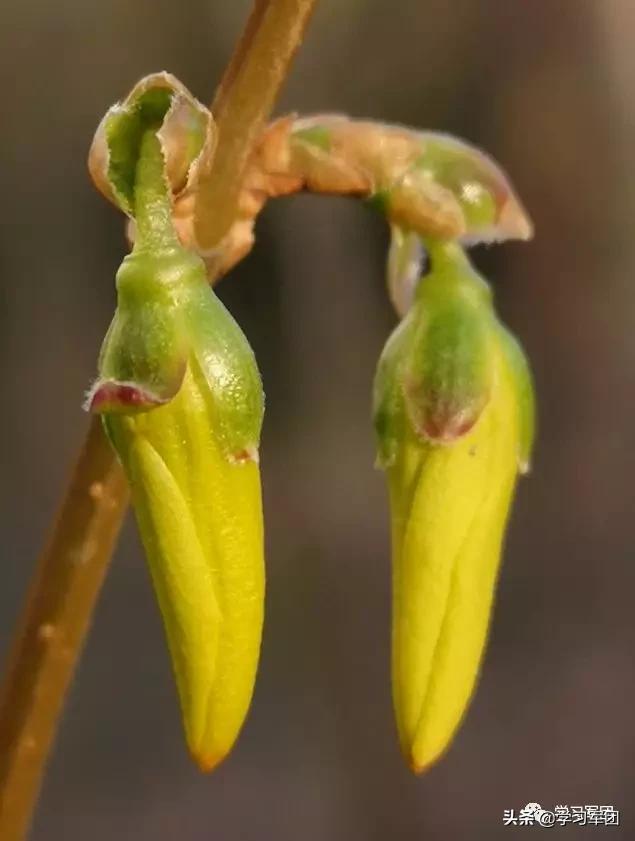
x=546, y=87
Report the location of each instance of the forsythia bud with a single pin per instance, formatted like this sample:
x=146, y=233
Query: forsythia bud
x=182, y=403
x=453, y=409
x=193, y=470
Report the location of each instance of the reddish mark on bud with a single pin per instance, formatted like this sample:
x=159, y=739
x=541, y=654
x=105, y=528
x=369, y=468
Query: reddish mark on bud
x=245, y=455
x=112, y=396
x=442, y=419
x=447, y=427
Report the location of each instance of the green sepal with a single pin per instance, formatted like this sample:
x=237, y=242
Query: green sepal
x=437, y=367
x=166, y=312
x=447, y=377
x=144, y=353
x=229, y=366
x=389, y=416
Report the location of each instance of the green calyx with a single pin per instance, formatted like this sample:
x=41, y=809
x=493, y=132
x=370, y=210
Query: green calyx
x=438, y=370
x=167, y=315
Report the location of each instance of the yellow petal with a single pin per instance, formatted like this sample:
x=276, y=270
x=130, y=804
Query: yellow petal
x=449, y=505
x=200, y=518
x=182, y=580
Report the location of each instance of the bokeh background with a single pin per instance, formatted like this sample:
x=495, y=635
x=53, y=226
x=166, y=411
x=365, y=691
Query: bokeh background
x=546, y=87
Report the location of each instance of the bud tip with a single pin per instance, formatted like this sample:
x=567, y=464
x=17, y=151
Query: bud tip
x=207, y=762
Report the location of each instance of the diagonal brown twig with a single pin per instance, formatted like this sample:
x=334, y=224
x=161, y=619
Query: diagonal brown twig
x=58, y=608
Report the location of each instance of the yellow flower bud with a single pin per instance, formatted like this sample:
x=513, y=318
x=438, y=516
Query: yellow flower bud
x=450, y=492
x=182, y=402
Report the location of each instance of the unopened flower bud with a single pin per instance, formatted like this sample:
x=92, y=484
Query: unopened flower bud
x=454, y=421
x=182, y=403
x=193, y=470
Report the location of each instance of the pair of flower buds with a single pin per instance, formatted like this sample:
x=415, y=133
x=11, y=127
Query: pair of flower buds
x=182, y=402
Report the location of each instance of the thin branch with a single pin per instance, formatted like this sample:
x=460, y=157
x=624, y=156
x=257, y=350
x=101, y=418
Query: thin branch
x=60, y=602
x=54, y=623
x=242, y=106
